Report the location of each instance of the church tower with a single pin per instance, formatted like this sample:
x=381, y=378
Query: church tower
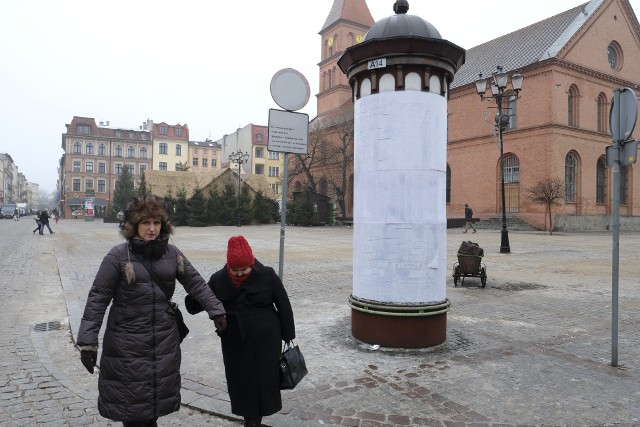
x=346, y=25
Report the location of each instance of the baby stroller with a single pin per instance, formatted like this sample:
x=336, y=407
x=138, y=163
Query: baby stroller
x=470, y=264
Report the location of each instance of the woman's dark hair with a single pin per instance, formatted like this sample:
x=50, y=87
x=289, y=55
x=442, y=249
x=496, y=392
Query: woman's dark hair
x=140, y=208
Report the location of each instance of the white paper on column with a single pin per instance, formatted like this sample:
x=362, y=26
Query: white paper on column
x=399, y=206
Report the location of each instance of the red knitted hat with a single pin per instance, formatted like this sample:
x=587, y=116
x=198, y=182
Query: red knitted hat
x=239, y=253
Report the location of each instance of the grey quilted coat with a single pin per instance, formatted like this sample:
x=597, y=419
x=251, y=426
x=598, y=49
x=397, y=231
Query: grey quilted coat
x=140, y=362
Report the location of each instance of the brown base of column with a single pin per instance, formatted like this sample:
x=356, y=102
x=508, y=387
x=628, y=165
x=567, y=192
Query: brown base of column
x=399, y=326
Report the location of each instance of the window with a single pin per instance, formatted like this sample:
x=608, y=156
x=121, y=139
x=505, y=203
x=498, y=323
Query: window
x=102, y=150
x=624, y=184
x=163, y=148
x=572, y=106
x=178, y=150
x=118, y=152
x=614, y=56
x=102, y=187
x=102, y=167
x=88, y=184
x=118, y=134
x=77, y=147
x=131, y=169
x=511, y=169
x=143, y=169
x=163, y=166
x=205, y=163
x=448, y=184
x=275, y=188
x=195, y=161
x=118, y=168
x=76, y=184
x=602, y=112
x=76, y=166
x=274, y=171
x=259, y=137
x=274, y=155
x=84, y=129
x=259, y=153
x=570, y=169
x=132, y=135
x=511, y=110
x=143, y=153
x=131, y=152
x=323, y=186
x=178, y=131
x=259, y=170
x=89, y=148
x=143, y=136
x=88, y=167
x=162, y=130
x=600, y=180
x=214, y=162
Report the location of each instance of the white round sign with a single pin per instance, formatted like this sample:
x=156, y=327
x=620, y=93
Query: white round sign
x=290, y=89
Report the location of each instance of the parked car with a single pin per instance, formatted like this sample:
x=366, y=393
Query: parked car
x=7, y=210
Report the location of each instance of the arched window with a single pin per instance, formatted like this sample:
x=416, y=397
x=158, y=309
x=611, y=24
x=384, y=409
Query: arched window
x=602, y=112
x=102, y=150
x=387, y=83
x=89, y=148
x=131, y=152
x=434, y=85
x=448, y=184
x=118, y=152
x=570, y=174
x=329, y=83
x=600, y=180
x=624, y=184
x=511, y=169
x=77, y=147
x=572, y=106
x=143, y=153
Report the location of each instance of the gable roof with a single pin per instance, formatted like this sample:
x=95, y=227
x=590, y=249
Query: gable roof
x=526, y=46
x=354, y=11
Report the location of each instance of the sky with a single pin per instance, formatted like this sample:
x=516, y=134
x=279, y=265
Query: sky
x=206, y=63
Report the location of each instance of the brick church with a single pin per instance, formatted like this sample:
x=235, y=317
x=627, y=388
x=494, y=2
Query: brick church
x=558, y=124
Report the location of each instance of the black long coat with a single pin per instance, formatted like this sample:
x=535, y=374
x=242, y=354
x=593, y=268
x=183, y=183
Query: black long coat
x=140, y=363
x=259, y=318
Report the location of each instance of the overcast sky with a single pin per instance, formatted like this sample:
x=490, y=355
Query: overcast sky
x=206, y=63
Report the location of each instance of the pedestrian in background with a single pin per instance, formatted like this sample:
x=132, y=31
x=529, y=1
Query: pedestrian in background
x=259, y=318
x=139, y=377
x=38, y=223
x=468, y=218
x=120, y=217
x=44, y=221
x=16, y=215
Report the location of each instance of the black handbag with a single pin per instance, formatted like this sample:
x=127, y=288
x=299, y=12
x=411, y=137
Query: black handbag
x=292, y=366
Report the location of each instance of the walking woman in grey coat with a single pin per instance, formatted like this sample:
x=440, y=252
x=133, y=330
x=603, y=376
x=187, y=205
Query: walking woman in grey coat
x=139, y=377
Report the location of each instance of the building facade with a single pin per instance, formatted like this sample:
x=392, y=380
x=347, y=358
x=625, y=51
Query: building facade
x=94, y=156
x=204, y=156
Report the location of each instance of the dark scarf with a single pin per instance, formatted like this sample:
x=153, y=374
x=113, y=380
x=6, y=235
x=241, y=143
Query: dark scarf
x=153, y=249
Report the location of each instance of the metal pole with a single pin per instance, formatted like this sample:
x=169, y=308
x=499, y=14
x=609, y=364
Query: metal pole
x=238, y=197
x=615, y=261
x=283, y=214
x=504, y=241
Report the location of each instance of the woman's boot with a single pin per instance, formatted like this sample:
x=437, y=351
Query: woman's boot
x=253, y=422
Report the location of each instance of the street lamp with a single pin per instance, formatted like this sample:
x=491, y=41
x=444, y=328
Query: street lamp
x=499, y=80
x=239, y=158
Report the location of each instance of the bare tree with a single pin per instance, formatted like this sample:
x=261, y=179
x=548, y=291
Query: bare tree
x=338, y=161
x=548, y=192
x=303, y=165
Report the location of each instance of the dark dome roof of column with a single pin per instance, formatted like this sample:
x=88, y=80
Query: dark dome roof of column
x=402, y=25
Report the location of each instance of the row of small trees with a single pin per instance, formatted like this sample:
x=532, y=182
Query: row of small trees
x=203, y=208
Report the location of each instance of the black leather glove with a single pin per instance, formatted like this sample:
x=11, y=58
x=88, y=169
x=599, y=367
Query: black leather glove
x=89, y=358
x=192, y=306
x=220, y=322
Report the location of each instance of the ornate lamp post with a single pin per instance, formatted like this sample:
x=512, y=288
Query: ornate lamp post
x=239, y=158
x=499, y=80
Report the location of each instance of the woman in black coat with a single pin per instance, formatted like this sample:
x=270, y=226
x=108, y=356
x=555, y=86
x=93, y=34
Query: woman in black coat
x=140, y=363
x=259, y=318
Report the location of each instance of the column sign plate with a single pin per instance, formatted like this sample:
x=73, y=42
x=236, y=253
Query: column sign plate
x=377, y=63
x=288, y=131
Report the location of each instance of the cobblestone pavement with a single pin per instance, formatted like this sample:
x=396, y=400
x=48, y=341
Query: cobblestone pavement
x=533, y=348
